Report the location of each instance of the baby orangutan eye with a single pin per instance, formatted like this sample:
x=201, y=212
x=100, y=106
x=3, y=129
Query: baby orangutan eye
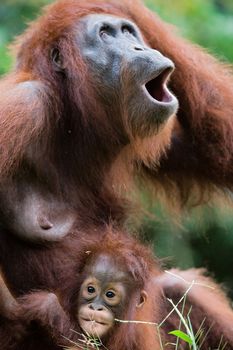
x=91, y=289
x=110, y=294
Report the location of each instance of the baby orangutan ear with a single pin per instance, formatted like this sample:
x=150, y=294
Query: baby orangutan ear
x=143, y=299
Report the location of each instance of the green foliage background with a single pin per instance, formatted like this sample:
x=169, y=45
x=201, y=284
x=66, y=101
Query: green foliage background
x=205, y=238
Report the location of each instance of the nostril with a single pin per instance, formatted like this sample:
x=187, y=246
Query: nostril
x=138, y=48
x=91, y=307
x=99, y=308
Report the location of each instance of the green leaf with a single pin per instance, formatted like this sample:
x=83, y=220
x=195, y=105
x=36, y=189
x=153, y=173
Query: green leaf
x=182, y=335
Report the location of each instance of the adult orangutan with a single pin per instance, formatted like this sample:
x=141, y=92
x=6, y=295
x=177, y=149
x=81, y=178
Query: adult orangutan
x=93, y=125
x=70, y=119
x=111, y=281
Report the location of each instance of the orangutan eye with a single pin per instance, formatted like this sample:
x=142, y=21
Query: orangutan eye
x=110, y=294
x=105, y=30
x=90, y=289
x=127, y=29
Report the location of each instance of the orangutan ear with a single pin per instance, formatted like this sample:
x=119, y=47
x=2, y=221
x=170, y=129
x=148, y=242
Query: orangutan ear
x=143, y=298
x=57, y=59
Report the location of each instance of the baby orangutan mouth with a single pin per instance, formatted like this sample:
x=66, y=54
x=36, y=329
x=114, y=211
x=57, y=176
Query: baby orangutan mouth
x=96, y=323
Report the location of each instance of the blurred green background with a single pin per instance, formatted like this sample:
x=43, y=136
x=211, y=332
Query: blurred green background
x=204, y=238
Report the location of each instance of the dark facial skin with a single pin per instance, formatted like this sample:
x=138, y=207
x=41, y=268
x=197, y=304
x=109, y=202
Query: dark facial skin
x=103, y=296
x=125, y=68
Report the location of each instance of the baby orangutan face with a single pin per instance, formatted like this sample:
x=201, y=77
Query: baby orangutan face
x=103, y=296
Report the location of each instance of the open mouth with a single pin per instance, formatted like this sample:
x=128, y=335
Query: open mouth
x=157, y=87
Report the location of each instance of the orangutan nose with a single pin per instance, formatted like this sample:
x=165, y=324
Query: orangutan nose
x=139, y=48
x=96, y=307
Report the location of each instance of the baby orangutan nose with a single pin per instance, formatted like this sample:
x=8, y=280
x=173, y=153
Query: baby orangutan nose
x=96, y=307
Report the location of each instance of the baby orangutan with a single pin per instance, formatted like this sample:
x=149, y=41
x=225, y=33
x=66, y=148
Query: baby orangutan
x=108, y=282
x=104, y=296
x=115, y=278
